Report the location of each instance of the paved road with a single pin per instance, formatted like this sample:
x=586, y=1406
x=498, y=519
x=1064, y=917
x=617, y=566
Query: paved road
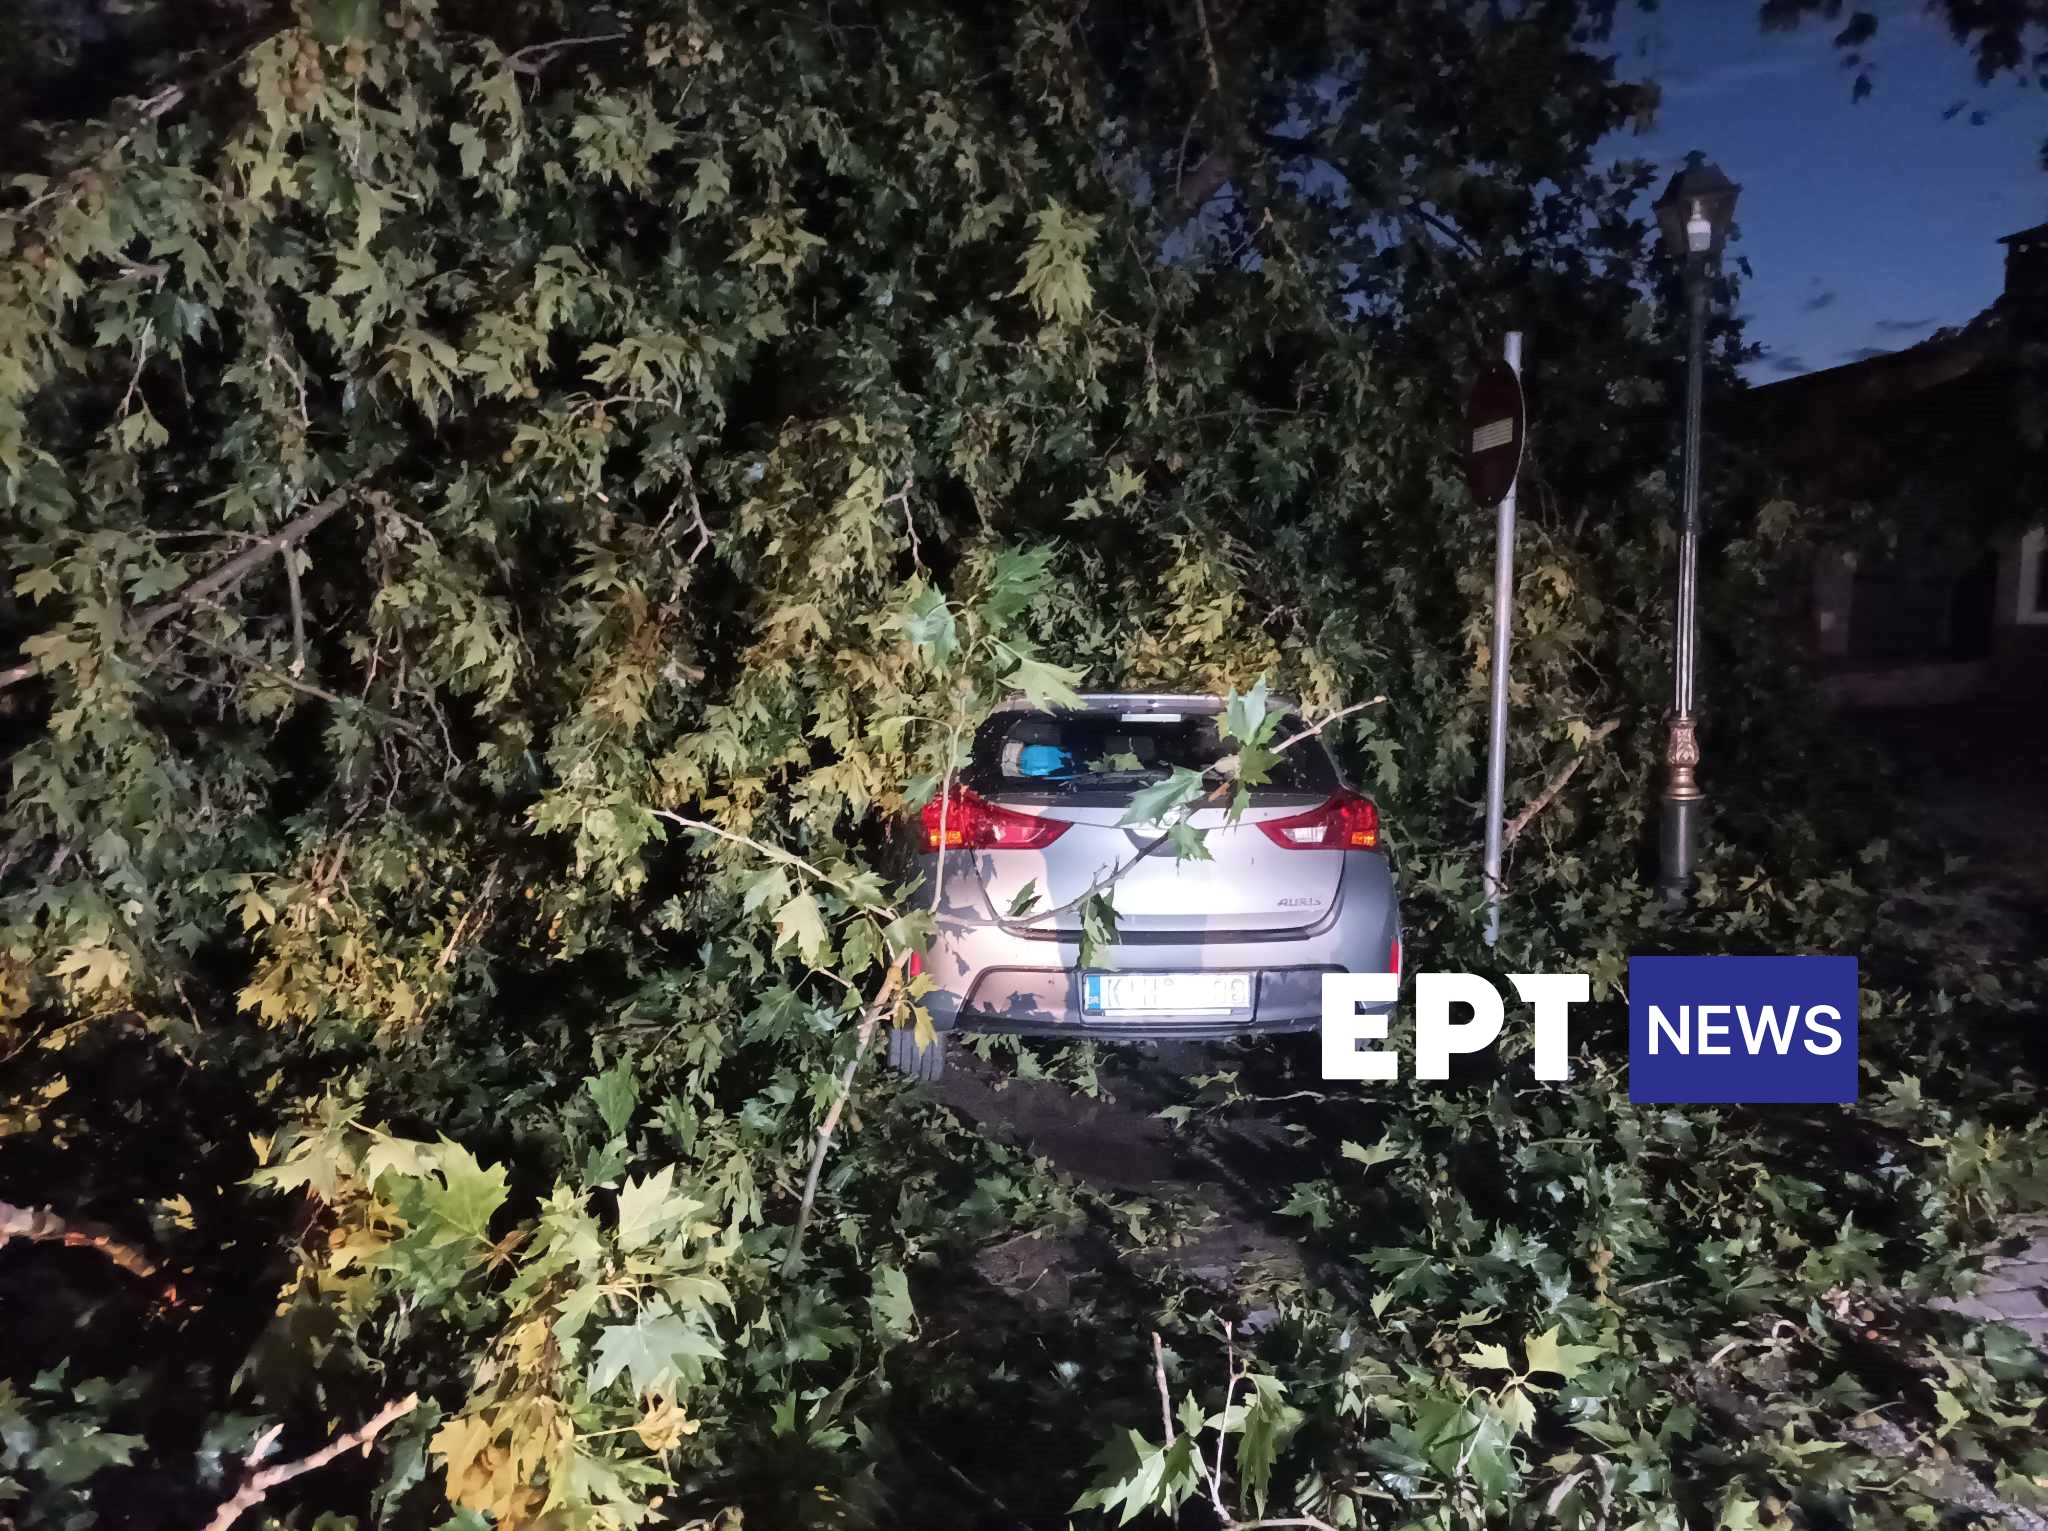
x=2015, y=1286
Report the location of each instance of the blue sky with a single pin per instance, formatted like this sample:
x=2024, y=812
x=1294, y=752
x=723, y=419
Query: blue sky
x=1868, y=224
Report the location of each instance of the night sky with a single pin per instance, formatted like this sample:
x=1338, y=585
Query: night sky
x=1868, y=224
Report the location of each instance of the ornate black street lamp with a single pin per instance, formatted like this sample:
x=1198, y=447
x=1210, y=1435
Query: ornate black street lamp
x=1694, y=214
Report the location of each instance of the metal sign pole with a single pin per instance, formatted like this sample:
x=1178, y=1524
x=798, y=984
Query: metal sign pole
x=1497, y=731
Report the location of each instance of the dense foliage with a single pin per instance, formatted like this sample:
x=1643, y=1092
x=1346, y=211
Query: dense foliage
x=507, y=506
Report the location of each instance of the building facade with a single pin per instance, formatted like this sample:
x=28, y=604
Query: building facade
x=1933, y=462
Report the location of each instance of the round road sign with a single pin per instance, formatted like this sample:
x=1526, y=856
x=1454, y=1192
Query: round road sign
x=1493, y=434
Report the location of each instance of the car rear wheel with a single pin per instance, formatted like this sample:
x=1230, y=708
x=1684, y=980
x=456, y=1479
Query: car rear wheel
x=912, y=1061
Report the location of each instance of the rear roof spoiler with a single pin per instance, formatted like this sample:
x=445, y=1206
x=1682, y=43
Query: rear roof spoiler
x=1144, y=701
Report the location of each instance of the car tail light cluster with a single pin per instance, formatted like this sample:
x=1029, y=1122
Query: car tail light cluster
x=973, y=823
x=1347, y=822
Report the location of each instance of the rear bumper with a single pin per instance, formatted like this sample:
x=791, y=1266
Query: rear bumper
x=1149, y=1028
x=990, y=977
x=1047, y=1002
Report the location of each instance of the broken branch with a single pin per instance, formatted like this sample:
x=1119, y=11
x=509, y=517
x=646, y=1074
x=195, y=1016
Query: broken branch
x=43, y=1226
x=1165, y=1397
x=206, y=586
x=1543, y=799
x=532, y=60
x=260, y=1483
x=877, y=1008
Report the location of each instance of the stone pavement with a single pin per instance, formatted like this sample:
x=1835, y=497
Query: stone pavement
x=2015, y=1285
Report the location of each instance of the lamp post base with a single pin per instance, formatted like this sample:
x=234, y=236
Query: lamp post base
x=1677, y=834
x=1683, y=804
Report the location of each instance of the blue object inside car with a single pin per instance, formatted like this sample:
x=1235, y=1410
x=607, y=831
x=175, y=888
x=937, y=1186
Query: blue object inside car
x=1043, y=760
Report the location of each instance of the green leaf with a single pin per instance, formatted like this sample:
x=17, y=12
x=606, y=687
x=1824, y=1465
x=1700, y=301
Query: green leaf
x=616, y=1093
x=465, y=1197
x=1516, y=1411
x=470, y=142
x=1017, y=580
x=1137, y=1476
x=1098, y=927
x=1490, y=1459
x=407, y=1157
x=1151, y=805
x=1055, y=276
x=1044, y=685
x=930, y=625
x=801, y=922
x=1244, y=717
x=895, y=1317
x=770, y=885
x=1567, y=1361
x=710, y=187
x=651, y=1206
x=657, y=1348
x=1381, y=1152
x=337, y=21
x=1268, y=1424
x=1488, y=1356
x=1952, y=1410
x=1739, y=1512
x=1026, y=897
x=34, y=584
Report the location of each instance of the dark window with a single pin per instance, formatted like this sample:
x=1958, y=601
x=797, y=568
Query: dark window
x=1068, y=754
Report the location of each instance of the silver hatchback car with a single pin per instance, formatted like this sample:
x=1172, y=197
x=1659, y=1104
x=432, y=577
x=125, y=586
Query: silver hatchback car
x=1299, y=887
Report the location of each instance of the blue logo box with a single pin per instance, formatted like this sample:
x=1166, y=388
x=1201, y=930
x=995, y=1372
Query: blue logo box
x=1741, y=1029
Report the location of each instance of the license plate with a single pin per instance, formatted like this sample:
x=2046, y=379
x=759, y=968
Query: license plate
x=1165, y=993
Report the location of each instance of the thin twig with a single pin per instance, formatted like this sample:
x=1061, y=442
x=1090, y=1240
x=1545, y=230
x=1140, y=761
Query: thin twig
x=155, y=106
x=1543, y=799
x=291, y=581
x=1230, y=1379
x=1208, y=46
x=703, y=536
x=1342, y=713
x=883, y=1002
x=1416, y=209
x=292, y=682
x=902, y=497
x=1180, y=162
x=981, y=1491
x=135, y=377
x=260, y=1483
x=1165, y=1397
x=773, y=853
x=483, y=904
x=206, y=586
x=884, y=997
x=43, y=1226
x=532, y=60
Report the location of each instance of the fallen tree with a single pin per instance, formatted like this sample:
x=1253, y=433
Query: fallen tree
x=503, y=514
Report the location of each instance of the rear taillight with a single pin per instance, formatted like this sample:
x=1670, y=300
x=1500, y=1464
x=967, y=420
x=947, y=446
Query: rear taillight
x=1393, y=957
x=972, y=823
x=1347, y=822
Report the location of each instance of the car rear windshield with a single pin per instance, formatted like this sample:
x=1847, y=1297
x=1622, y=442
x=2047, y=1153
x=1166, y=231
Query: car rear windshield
x=1069, y=754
